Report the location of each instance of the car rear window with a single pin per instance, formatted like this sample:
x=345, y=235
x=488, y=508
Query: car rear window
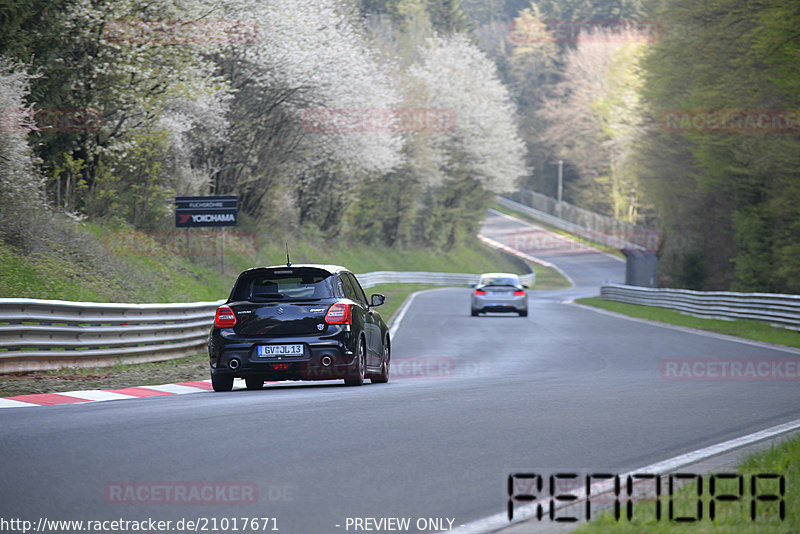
x=499, y=281
x=283, y=284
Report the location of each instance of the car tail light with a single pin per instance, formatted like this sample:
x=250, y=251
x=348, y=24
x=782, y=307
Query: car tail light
x=280, y=366
x=480, y=292
x=520, y=292
x=225, y=318
x=339, y=313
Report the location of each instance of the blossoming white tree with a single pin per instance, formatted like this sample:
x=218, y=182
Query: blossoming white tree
x=483, y=142
x=309, y=56
x=19, y=178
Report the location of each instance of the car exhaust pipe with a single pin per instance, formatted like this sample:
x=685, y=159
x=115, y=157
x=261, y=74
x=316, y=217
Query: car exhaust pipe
x=234, y=363
x=326, y=361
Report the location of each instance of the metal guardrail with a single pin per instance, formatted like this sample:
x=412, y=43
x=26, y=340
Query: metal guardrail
x=625, y=235
x=444, y=279
x=774, y=308
x=51, y=334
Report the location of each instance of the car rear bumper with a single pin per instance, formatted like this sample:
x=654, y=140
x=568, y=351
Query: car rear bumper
x=328, y=358
x=500, y=304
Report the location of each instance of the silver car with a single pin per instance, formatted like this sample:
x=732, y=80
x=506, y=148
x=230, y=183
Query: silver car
x=499, y=292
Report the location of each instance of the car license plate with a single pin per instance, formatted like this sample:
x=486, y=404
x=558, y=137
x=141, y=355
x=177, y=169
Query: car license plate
x=280, y=350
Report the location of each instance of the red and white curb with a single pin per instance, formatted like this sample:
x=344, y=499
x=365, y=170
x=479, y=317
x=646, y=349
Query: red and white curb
x=99, y=395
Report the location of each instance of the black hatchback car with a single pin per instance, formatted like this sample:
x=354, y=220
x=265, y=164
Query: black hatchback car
x=298, y=322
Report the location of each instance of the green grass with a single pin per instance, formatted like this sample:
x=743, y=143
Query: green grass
x=583, y=240
x=730, y=517
x=127, y=266
x=755, y=330
x=473, y=258
x=93, y=277
x=43, y=275
x=549, y=278
x=102, y=265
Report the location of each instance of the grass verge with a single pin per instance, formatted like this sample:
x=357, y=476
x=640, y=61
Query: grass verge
x=548, y=278
x=754, y=330
x=100, y=265
x=730, y=517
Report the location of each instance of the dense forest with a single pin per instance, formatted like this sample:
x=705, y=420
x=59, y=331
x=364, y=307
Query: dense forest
x=395, y=121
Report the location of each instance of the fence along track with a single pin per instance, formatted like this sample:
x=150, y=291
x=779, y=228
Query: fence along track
x=774, y=308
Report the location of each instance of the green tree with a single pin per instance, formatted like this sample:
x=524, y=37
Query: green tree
x=744, y=204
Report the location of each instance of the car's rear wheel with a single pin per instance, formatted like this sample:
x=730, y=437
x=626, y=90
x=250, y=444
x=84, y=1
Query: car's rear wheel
x=383, y=376
x=253, y=382
x=523, y=313
x=361, y=365
x=475, y=313
x=222, y=382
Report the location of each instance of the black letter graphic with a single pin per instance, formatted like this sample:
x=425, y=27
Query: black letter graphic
x=686, y=476
x=536, y=480
x=724, y=497
x=770, y=496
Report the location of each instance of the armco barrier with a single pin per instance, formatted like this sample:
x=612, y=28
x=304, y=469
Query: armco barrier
x=774, y=308
x=442, y=279
x=51, y=334
x=597, y=228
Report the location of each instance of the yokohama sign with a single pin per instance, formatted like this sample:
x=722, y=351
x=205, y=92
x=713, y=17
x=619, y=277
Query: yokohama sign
x=194, y=212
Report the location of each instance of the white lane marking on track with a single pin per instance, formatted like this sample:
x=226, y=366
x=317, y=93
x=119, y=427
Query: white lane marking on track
x=719, y=448
x=10, y=403
x=401, y=312
x=175, y=388
x=523, y=513
x=98, y=395
x=688, y=330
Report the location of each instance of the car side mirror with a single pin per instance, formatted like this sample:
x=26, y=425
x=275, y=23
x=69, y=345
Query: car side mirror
x=376, y=299
x=525, y=286
x=473, y=285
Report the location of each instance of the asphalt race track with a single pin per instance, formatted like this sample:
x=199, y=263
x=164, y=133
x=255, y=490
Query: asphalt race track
x=471, y=400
